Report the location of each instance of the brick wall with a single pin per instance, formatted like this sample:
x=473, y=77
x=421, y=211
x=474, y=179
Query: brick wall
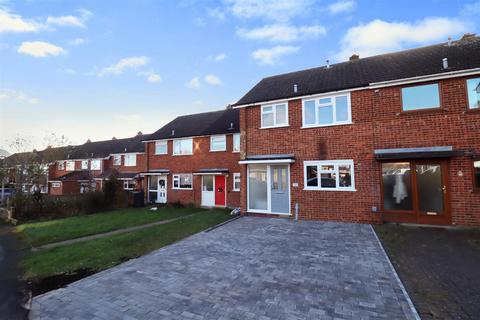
x=202, y=158
x=378, y=122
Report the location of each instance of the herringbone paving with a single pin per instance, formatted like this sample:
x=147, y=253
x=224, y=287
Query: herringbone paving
x=251, y=268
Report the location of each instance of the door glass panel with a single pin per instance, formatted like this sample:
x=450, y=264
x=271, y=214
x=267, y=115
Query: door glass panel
x=430, y=188
x=284, y=179
x=207, y=183
x=397, y=186
x=257, y=184
x=275, y=185
x=161, y=183
x=153, y=182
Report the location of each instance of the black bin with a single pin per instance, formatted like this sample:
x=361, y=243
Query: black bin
x=138, y=199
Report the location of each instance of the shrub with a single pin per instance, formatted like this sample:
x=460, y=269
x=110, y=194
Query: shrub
x=95, y=201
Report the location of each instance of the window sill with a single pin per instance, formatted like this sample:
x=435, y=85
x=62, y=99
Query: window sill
x=179, y=155
x=218, y=150
x=332, y=189
x=420, y=111
x=327, y=125
x=235, y=190
x=182, y=189
x=475, y=110
x=161, y=154
x=273, y=127
x=235, y=151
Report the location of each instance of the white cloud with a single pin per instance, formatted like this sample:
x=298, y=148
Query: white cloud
x=273, y=55
x=213, y=80
x=282, y=32
x=342, y=6
x=77, y=41
x=380, y=36
x=125, y=63
x=71, y=21
x=151, y=76
x=4, y=96
x=278, y=10
x=217, y=13
x=10, y=22
x=194, y=83
x=40, y=49
x=18, y=96
x=220, y=57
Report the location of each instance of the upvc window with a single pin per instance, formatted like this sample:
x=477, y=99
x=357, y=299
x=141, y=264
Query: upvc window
x=473, y=89
x=236, y=142
x=70, y=166
x=420, y=97
x=61, y=165
x=275, y=115
x=218, y=143
x=183, y=147
x=182, y=181
x=476, y=175
x=128, y=184
x=130, y=160
x=329, y=175
x=117, y=159
x=56, y=184
x=161, y=147
x=236, y=182
x=84, y=164
x=95, y=164
x=327, y=111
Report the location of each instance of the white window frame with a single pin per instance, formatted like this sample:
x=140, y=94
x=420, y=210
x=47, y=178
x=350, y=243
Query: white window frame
x=126, y=183
x=84, y=167
x=56, y=185
x=95, y=161
x=224, y=143
x=182, y=154
x=68, y=165
x=163, y=143
x=236, y=176
x=334, y=107
x=176, y=177
x=439, y=93
x=61, y=165
x=468, y=95
x=130, y=156
x=117, y=159
x=233, y=142
x=335, y=164
x=274, y=111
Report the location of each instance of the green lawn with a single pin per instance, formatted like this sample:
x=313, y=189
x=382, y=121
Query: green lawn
x=103, y=253
x=43, y=232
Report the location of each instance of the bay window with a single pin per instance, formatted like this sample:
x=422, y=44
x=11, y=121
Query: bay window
x=327, y=111
x=329, y=175
x=182, y=181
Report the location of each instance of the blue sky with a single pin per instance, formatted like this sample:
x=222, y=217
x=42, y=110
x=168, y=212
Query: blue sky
x=98, y=69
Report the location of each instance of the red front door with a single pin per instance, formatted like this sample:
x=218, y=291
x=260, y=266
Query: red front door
x=220, y=191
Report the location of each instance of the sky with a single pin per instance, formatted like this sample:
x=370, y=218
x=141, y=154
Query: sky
x=101, y=69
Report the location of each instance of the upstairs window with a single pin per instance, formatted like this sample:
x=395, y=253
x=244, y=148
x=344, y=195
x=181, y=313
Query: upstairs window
x=130, y=160
x=182, y=181
x=236, y=142
x=70, y=165
x=161, y=147
x=327, y=111
x=61, y=165
x=183, y=147
x=84, y=164
x=218, y=143
x=329, y=175
x=274, y=115
x=95, y=164
x=473, y=89
x=117, y=160
x=421, y=97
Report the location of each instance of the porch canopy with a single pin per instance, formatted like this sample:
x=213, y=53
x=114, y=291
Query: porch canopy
x=416, y=153
x=211, y=171
x=155, y=172
x=269, y=158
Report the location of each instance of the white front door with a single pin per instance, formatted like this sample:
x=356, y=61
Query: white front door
x=162, y=190
x=208, y=191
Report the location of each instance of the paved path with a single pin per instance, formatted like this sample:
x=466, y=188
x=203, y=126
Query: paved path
x=107, y=234
x=251, y=268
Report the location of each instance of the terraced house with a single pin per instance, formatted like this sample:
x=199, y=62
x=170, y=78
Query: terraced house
x=394, y=137
x=86, y=166
x=194, y=160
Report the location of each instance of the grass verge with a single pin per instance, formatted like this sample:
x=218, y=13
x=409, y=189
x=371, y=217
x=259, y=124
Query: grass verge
x=43, y=232
x=100, y=254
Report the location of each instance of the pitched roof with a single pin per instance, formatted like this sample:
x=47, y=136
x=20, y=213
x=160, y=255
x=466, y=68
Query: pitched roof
x=463, y=54
x=75, y=176
x=101, y=149
x=199, y=124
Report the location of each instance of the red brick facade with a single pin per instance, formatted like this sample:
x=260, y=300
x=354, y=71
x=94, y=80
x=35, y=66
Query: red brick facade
x=378, y=123
x=202, y=158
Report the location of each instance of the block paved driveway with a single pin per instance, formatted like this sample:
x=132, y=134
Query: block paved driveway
x=251, y=268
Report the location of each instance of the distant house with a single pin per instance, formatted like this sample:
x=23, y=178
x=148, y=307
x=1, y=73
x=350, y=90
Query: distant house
x=194, y=160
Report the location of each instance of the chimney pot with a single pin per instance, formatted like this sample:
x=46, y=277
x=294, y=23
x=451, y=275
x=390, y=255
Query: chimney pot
x=139, y=133
x=354, y=57
x=114, y=138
